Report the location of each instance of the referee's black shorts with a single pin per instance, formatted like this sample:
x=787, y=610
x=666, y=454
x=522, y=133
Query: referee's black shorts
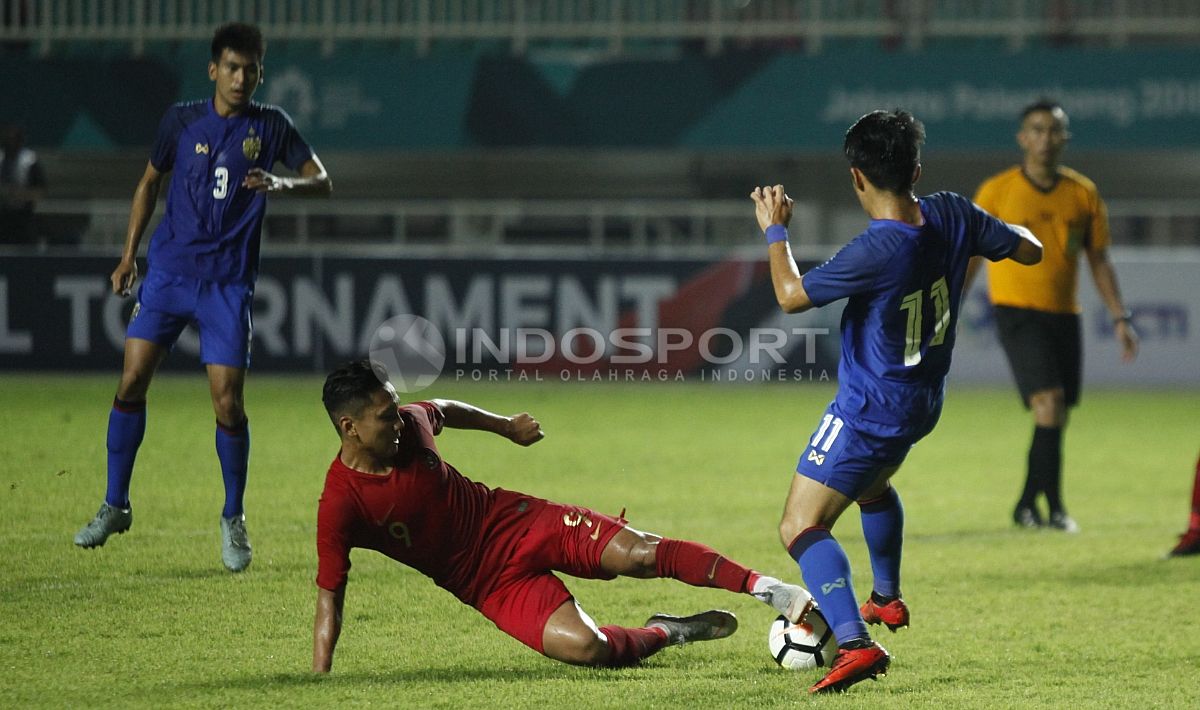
x=1043, y=350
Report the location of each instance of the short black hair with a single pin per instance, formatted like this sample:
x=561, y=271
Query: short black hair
x=1042, y=104
x=349, y=388
x=240, y=37
x=886, y=147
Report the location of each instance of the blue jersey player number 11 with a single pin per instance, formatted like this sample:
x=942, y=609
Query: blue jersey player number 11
x=902, y=280
x=201, y=267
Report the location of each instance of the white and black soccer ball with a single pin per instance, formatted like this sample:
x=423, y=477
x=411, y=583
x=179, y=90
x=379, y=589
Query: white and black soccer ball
x=806, y=645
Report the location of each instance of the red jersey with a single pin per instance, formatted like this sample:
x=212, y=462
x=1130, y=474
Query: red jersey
x=423, y=513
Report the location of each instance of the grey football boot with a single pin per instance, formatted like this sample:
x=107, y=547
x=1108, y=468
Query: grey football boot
x=791, y=600
x=109, y=519
x=235, y=544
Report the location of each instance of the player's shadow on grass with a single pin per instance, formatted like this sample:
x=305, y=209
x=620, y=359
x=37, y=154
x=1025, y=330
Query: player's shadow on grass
x=1153, y=572
x=203, y=570
x=398, y=676
x=1149, y=573
x=160, y=575
x=990, y=532
x=459, y=674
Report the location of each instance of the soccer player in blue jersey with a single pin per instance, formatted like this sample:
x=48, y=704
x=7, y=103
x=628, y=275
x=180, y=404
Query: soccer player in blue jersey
x=201, y=267
x=903, y=281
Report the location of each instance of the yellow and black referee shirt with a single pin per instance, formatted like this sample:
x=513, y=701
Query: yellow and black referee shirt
x=1065, y=219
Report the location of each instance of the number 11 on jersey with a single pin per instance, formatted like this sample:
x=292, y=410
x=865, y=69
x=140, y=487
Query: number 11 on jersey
x=939, y=293
x=833, y=433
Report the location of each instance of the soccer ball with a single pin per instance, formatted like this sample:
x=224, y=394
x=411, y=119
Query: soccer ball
x=806, y=645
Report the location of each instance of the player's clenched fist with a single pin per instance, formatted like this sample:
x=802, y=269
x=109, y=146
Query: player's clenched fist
x=524, y=429
x=260, y=180
x=771, y=206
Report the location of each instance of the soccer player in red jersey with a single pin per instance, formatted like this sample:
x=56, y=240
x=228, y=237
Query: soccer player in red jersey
x=389, y=490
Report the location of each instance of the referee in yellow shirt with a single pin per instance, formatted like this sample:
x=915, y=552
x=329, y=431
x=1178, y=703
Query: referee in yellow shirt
x=1037, y=308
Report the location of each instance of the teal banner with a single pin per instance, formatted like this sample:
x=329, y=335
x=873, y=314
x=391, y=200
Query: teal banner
x=1130, y=99
x=363, y=99
x=373, y=97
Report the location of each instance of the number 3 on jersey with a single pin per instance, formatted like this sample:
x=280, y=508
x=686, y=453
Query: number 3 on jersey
x=939, y=292
x=221, y=189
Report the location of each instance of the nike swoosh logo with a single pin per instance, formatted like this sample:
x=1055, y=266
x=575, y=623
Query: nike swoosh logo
x=712, y=572
x=596, y=533
x=383, y=520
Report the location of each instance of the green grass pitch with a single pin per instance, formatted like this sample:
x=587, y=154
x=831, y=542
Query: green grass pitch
x=1001, y=617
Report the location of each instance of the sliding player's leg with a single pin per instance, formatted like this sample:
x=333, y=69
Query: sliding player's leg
x=572, y=637
x=632, y=553
x=538, y=611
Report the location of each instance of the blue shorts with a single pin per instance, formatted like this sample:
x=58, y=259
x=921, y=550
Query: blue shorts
x=848, y=460
x=221, y=311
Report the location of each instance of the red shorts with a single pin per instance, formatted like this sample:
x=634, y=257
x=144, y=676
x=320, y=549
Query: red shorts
x=563, y=538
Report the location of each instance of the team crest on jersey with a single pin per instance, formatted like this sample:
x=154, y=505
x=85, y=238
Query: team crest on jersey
x=201, y=148
x=251, y=146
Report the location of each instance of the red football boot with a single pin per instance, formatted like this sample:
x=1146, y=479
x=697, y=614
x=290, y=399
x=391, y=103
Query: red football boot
x=853, y=665
x=894, y=614
x=1189, y=544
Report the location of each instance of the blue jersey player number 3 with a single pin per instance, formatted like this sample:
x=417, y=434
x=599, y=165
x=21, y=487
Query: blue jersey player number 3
x=202, y=265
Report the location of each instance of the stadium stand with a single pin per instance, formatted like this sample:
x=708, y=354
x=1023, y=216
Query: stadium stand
x=610, y=24
x=531, y=167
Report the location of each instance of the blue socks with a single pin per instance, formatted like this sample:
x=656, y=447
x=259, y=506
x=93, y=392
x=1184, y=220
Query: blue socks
x=233, y=449
x=826, y=572
x=883, y=528
x=126, y=426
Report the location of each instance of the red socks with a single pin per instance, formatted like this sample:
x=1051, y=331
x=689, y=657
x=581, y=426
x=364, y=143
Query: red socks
x=690, y=563
x=700, y=566
x=628, y=646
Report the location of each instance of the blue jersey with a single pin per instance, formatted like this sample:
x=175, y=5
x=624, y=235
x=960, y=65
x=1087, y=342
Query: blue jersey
x=904, y=286
x=212, y=226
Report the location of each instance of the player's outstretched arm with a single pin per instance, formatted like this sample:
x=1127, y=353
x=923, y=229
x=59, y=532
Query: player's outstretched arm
x=313, y=181
x=1029, y=249
x=327, y=627
x=519, y=428
x=773, y=209
x=145, y=197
